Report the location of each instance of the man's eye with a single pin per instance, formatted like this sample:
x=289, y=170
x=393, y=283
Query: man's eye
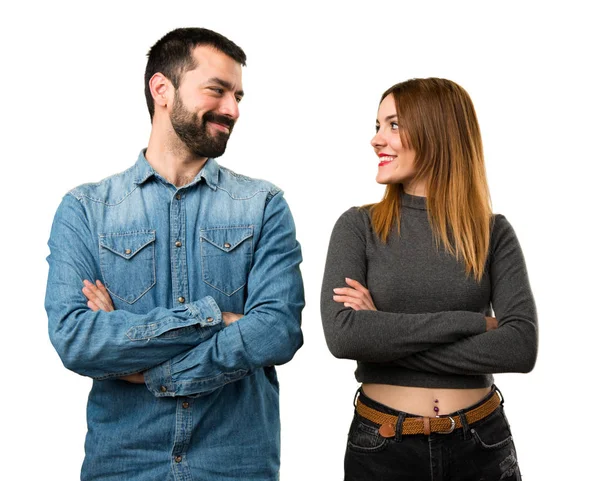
x=238, y=99
x=217, y=90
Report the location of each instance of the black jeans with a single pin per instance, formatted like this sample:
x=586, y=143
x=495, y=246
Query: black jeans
x=482, y=451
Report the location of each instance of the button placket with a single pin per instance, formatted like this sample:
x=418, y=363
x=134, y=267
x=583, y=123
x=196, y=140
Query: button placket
x=178, y=254
x=182, y=439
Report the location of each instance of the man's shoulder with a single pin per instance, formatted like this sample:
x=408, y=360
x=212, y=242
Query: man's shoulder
x=111, y=190
x=240, y=186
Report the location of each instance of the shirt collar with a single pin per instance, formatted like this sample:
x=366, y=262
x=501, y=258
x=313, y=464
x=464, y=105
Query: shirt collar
x=210, y=171
x=143, y=169
x=414, y=201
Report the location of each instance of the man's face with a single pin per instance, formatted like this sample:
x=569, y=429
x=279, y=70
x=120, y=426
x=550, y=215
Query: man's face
x=205, y=106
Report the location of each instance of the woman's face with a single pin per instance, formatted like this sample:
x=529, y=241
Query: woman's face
x=396, y=161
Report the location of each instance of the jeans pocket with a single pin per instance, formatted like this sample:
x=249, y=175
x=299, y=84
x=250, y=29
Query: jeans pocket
x=493, y=432
x=127, y=263
x=364, y=438
x=496, y=448
x=226, y=254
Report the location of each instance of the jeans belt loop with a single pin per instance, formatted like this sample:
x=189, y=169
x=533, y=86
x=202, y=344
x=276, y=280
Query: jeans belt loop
x=398, y=436
x=356, y=397
x=495, y=388
x=465, y=425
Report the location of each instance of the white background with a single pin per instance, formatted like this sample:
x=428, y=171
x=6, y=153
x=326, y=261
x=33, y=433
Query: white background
x=72, y=79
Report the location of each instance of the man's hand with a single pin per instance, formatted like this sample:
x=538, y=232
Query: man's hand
x=137, y=378
x=97, y=296
x=230, y=317
x=356, y=296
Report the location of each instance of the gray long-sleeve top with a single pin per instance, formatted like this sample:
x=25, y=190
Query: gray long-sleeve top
x=429, y=329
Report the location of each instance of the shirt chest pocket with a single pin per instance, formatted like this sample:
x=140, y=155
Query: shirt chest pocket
x=127, y=263
x=226, y=254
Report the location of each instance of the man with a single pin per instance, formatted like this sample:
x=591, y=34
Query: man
x=184, y=388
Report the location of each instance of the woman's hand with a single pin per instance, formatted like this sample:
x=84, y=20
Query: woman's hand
x=97, y=296
x=491, y=323
x=356, y=296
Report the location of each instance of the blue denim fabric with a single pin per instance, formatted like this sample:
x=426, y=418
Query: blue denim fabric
x=210, y=406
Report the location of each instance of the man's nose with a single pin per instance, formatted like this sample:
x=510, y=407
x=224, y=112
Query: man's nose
x=229, y=107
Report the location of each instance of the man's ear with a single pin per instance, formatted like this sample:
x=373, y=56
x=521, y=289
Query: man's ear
x=162, y=90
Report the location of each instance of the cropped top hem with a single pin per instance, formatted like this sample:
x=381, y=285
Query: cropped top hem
x=395, y=376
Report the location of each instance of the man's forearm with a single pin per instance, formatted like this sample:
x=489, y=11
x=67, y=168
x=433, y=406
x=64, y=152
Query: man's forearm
x=112, y=344
x=257, y=340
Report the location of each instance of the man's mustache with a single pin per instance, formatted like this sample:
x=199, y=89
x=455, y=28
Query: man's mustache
x=219, y=119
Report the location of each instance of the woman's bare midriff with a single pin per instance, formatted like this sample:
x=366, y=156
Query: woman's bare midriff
x=422, y=401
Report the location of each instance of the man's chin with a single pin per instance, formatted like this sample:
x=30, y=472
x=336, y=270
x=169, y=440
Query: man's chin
x=211, y=153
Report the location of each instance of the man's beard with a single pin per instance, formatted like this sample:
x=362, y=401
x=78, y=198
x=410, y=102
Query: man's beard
x=193, y=132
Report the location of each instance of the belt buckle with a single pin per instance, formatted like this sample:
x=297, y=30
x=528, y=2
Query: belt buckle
x=452, y=426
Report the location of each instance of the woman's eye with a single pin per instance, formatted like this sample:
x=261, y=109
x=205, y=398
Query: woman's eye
x=394, y=125
x=376, y=128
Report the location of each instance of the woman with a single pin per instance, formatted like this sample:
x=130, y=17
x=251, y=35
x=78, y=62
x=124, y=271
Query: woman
x=408, y=292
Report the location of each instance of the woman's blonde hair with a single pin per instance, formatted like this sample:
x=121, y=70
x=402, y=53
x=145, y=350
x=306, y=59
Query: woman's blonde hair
x=437, y=120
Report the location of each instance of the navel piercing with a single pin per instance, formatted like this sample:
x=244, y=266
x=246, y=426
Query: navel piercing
x=436, y=409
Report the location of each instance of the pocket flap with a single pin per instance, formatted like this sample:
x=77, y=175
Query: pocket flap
x=127, y=244
x=226, y=238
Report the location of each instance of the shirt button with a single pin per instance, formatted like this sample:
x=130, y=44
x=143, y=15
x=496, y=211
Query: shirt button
x=186, y=405
x=127, y=251
x=181, y=299
x=178, y=196
x=209, y=319
x=227, y=245
x=177, y=459
x=163, y=389
x=178, y=244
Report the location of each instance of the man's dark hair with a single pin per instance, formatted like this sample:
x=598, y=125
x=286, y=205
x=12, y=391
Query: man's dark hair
x=172, y=55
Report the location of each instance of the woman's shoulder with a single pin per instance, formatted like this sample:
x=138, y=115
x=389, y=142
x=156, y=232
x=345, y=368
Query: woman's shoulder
x=500, y=224
x=354, y=222
x=355, y=216
x=503, y=233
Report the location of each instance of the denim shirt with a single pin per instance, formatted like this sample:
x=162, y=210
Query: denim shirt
x=173, y=259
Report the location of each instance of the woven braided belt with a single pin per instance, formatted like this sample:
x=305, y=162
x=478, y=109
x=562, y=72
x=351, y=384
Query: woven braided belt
x=425, y=425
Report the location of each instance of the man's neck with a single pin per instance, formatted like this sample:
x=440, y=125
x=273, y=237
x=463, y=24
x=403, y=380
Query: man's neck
x=171, y=159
